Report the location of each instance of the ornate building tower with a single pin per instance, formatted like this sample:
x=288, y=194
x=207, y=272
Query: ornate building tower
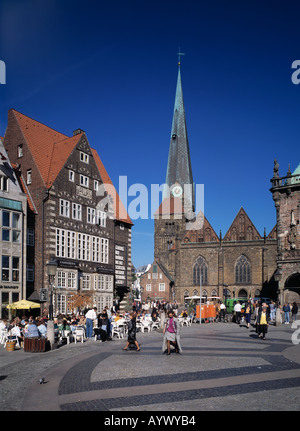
x=286, y=195
x=178, y=193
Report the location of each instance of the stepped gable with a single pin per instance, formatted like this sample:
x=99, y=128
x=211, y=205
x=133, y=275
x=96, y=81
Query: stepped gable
x=205, y=232
x=242, y=229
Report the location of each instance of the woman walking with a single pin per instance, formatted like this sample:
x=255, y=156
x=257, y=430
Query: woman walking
x=262, y=323
x=171, y=334
x=132, y=332
x=248, y=312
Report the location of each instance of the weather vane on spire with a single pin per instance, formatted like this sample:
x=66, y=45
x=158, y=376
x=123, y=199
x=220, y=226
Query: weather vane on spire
x=179, y=55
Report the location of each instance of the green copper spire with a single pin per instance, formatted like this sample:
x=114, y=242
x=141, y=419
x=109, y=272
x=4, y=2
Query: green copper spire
x=179, y=169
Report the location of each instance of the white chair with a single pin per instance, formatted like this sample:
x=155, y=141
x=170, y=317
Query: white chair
x=3, y=335
x=79, y=334
x=146, y=324
x=155, y=325
x=187, y=321
x=118, y=329
x=180, y=321
x=65, y=334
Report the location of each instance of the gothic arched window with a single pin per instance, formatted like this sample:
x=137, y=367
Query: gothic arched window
x=242, y=270
x=200, y=268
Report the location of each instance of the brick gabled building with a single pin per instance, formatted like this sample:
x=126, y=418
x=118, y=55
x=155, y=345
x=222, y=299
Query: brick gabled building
x=79, y=220
x=243, y=262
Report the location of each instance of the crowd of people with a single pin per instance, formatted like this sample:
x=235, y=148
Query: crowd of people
x=101, y=324
x=20, y=328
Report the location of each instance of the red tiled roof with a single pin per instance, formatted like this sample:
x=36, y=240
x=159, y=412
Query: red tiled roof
x=49, y=148
x=120, y=212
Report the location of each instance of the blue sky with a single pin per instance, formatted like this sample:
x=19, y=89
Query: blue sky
x=110, y=68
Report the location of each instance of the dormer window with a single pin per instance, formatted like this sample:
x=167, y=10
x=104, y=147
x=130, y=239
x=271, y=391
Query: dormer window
x=84, y=157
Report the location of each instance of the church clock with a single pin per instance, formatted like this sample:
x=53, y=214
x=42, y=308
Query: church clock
x=177, y=191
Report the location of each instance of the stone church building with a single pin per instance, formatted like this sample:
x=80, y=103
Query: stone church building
x=242, y=263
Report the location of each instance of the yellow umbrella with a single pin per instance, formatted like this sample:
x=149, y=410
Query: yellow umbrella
x=24, y=305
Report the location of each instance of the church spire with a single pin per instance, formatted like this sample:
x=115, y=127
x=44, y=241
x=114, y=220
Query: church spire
x=179, y=169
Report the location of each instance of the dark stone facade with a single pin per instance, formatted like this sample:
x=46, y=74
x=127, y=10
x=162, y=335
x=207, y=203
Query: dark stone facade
x=286, y=196
x=69, y=224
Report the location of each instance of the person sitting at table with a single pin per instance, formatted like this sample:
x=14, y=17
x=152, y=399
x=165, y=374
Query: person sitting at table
x=64, y=326
x=42, y=328
x=184, y=314
x=32, y=330
x=73, y=323
x=16, y=331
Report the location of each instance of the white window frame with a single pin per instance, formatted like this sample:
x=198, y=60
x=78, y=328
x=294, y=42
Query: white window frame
x=101, y=216
x=84, y=180
x=76, y=211
x=162, y=287
x=64, y=208
x=84, y=157
x=29, y=176
x=20, y=150
x=86, y=282
x=148, y=287
x=71, y=176
x=91, y=216
x=104, y=250
x=3, y=183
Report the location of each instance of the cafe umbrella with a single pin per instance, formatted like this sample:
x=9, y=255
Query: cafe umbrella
x=23, y=305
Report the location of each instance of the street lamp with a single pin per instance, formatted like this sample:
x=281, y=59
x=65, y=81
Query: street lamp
x=278, y=277
x=141, y=292
x=51, y=271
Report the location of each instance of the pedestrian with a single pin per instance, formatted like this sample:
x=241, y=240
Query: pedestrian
x=272, y=311
x=90, y=316
x=222, y=311
x=248, y=312
x=171, y=334
x=262, y=323
x=238, y=312
x=286, y=309
x=132, y=332
x=294, y=312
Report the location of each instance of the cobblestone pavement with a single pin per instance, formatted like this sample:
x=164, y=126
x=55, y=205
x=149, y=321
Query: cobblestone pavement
x=222, y=367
